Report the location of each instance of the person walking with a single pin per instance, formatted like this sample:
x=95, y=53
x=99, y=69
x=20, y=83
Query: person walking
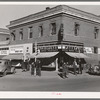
x=80, y=67
x=23, y=66
x=65, y=70
x=33, y=68
x=75, y=66
x=28, y=65
x=38, y=67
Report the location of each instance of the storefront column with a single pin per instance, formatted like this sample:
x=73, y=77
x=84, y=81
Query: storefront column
x=56, y=64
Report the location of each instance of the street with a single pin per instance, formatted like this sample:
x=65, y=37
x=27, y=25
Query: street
x=49, y=81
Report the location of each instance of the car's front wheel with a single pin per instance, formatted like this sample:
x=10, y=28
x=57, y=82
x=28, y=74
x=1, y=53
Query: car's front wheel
x=5, y=73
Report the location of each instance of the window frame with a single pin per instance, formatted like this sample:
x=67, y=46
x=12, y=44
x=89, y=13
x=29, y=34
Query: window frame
x=21, y=34
x=13, y=36
x=40, y=29
x=76, y=28
x=53, y=28
x=30, y=32
x=96, y=32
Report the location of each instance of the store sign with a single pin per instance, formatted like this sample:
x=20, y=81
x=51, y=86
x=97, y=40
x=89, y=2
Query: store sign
x=88, y=50
x=4, y=52
x=17, y=49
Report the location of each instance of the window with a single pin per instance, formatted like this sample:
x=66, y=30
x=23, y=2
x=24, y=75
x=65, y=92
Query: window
x=96, y=50
x=76, y=29
x=40, y=31
x=52, y=28
x=13, y=36
x=96, y=31
x=30, y=32
x=21, y=34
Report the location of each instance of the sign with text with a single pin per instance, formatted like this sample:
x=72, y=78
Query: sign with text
x=17, y=49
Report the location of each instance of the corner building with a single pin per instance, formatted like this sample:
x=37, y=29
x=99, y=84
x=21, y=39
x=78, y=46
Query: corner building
x=58, y=33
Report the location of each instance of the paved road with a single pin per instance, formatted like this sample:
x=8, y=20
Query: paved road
x=49, y=81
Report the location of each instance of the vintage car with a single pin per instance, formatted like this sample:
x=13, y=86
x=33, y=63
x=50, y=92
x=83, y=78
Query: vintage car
x=94, y=70
x=5, y=67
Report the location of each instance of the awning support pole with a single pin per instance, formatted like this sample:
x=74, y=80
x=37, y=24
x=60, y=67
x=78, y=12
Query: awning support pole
x=56, y=64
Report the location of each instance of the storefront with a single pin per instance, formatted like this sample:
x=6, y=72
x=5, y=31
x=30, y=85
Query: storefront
x=51, y=54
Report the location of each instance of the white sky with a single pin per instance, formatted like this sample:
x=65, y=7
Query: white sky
x=9, y=12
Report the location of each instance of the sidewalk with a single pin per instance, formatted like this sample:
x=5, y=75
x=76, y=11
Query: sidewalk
x=49, y=74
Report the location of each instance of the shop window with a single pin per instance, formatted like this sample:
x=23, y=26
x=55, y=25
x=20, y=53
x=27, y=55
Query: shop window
x=96, y=50
x=21, y=34
x=52, y=28
x=77, y=26
x=13, y=36
x=40, y=31
x=30, y=32
x=96, y=31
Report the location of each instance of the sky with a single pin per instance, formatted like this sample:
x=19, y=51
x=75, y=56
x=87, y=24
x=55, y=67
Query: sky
x=9, y=12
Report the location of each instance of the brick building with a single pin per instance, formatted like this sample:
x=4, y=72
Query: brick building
x=61, y=32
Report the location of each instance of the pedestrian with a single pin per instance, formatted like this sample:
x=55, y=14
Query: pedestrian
x=80, y=67
x=75, y=66
x=33, y=68
x=28, y=65
x=65, y=70
x=23, y=66
x=38, y=67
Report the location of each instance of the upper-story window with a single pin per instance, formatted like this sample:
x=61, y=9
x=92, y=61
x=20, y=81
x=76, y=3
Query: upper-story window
x=21, y=34
x=96, y=31
x=77, y=26
x=52, y=28
x=96, y=50
x=30, y=32
x=40, y=31
x=13, y=36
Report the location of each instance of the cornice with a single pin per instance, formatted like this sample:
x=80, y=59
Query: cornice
x=53, y=11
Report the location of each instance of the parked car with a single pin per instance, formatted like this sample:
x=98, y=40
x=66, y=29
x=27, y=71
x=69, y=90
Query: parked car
x=5, y=67
x=94, y=70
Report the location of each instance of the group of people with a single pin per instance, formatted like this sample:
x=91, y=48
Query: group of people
x=34, y=67
x=65, y=70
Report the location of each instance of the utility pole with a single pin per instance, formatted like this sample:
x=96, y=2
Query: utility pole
x=35, y=50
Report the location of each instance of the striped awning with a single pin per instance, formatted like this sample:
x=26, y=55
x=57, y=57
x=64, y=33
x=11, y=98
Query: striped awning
x=44, y=55
x=77, y=55
x=14, y=57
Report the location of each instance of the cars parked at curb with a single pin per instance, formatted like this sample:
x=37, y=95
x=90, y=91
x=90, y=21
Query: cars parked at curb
x=6, y=67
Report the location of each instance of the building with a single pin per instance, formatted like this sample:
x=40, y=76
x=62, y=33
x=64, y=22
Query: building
x=56, y=33
x=4, y=42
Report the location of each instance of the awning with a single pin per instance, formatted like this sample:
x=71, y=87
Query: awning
x=44, y=55
x=14, y=57
x=77, y=55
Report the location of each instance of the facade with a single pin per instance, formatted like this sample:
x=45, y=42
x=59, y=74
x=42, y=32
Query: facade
x=57, y=33
x=4, y=42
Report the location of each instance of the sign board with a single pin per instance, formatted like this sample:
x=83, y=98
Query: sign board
x=88, y=49
x=4, y=52
x=16, y=49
